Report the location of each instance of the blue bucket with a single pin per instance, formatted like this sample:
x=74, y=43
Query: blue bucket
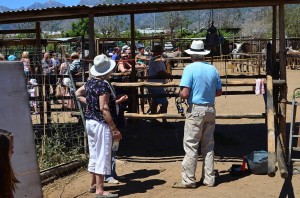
x=258, y=162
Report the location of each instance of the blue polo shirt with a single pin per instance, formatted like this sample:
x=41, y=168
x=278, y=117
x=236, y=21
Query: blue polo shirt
x=203, y=80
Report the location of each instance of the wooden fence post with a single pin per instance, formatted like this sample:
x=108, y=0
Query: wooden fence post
x=270, y=116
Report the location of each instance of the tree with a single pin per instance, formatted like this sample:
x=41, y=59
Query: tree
x=110, y=25
x=227, y=18
x=173, y=20
x=292, y=15
x=78, y=29
x=185, y=22
x=127, y=34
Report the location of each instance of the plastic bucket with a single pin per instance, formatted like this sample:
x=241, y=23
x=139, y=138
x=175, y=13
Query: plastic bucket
x=258, y=162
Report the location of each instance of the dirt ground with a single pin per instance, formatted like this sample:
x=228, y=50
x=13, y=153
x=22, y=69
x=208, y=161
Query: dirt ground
x=150, y=157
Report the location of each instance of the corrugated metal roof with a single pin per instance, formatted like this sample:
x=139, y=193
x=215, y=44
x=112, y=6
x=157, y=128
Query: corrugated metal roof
x=65, y=39
x=80, y=11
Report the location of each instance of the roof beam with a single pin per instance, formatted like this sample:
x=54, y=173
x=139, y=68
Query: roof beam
x=73, y=12
x=17, y=31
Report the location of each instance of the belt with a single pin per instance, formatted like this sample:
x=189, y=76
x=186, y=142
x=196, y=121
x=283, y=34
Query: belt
x=202, y=105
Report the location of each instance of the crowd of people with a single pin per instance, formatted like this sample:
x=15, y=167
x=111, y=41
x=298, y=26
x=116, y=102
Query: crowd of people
x=199, y=85
x=52, y=68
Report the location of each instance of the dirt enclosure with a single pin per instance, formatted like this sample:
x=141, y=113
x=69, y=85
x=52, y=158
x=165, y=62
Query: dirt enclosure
x=150, y=157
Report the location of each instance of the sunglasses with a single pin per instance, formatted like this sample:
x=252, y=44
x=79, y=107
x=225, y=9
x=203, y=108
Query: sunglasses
x=124, y=56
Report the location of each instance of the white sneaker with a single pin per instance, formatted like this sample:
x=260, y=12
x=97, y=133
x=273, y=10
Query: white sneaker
x=113, y=181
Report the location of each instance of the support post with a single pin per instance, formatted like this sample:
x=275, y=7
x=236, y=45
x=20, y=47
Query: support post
x=97, y=47
x=91, y=38
x=91, y=57
x=283, y=88
x=38, y=68
x=281, y=159
x=134, y=107
x=274, y=34
x=82, y=58
x=279, y=151
x=270, y=116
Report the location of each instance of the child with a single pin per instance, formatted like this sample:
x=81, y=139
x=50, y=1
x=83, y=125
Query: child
x=7, y=180
x=32, y=90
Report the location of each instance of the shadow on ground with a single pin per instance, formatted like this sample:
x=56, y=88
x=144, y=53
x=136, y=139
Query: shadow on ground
x=140, y=139
x=134, y=185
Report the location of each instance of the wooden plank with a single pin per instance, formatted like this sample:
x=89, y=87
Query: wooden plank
x=82, y=11
x=17, y=31
x=248, y=82
x=133, y=104
x=271, y=128
x=176, y=84
x=42, y=98
x=241, y=76
x=282, y=62
x=293, y=55
x=153, y=116
x=270, y=116
x=38, y=68
x=22, y=42
x=177, y=94
x=91, y=38
x=148, y=84
x=281, y=159
x=182, y=116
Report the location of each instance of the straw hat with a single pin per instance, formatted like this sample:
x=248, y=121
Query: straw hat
x=197, y=47
x=102, y=65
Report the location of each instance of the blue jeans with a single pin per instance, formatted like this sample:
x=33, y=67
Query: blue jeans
x=156, y=91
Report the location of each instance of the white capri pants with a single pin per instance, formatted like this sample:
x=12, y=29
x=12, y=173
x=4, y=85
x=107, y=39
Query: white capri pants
x=100, y=141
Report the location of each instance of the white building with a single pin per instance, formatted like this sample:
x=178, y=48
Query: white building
x=151, y=31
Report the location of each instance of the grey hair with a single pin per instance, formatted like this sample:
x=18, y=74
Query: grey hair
x=103, y=77
x=197, y=57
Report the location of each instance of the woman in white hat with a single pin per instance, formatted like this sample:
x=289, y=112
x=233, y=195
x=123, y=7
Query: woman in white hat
x=101, y=113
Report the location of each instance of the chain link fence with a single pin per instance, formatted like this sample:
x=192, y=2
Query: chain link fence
x=59, y=137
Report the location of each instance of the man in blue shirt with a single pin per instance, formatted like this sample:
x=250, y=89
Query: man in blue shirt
x=117, y=53
x=200, y=84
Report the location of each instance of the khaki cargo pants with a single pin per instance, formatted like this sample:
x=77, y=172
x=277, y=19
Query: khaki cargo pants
x=199, y=128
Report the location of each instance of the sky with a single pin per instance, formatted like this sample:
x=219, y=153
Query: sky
x=13, y=4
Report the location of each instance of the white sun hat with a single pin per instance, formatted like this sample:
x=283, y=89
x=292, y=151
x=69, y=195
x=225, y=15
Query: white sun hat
x=33, y=81
x=102, y=65
x=125, y=47
x=197, y=47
